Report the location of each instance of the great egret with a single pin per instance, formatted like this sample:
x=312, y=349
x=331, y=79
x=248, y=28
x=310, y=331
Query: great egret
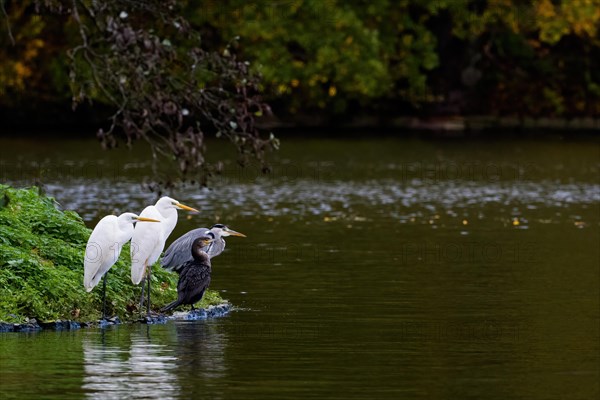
x=104, y=247
x=148, y=241
x=178, y=252
x=195, y=276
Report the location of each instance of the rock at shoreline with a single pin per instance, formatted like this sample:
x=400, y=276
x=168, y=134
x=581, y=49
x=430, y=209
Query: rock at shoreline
x=59, y=325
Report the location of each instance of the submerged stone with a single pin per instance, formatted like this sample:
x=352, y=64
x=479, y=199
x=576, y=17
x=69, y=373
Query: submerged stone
x=153, y=319
x=219, y=310
x=202, y=313
x=197, y=314
x=28, y=327
x=103, y=323
x=60, y=325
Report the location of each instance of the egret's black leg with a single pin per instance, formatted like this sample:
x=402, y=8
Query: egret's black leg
x=104, y=296
x=149, y=278
x=142, y=297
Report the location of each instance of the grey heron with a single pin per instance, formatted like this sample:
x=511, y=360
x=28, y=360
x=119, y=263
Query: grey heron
x=177, y=254
x=104, y=247
x=148, y=241
x=194, y=278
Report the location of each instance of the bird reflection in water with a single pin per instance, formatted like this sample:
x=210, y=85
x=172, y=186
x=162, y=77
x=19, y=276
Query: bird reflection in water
x=153, y=361
x=200, y=350
x=137, y=369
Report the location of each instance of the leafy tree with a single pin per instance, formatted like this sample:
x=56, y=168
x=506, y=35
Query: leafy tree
x=145, y=61
x=499, y=56
x=326, y=57
x=326, y=54
x=536, y=59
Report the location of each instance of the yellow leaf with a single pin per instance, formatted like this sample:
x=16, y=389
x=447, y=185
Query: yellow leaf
x=22, y=70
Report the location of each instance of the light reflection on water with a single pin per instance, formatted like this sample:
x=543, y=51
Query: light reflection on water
x=151, y=361
x=343, y=200
x=145, y=370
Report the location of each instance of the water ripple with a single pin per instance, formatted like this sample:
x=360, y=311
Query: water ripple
x=306, y=197
x=145, y=371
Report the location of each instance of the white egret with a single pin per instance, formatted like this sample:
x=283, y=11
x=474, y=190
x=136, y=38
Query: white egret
x=148, y=240
x=104, y=247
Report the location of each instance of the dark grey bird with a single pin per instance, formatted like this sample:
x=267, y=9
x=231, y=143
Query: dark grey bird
x=194, y=278
x=178, y=252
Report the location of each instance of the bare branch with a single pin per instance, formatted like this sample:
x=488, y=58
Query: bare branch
x=10, y=35
x=144, y=60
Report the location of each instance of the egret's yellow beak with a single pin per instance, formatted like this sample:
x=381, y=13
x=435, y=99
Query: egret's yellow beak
x=184, y=207
x=147, y=219
x=234, y=233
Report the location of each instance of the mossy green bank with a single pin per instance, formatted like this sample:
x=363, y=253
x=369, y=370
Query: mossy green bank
x=42, y=249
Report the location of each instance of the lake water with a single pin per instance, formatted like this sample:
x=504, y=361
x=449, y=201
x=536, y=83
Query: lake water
x=373, y=268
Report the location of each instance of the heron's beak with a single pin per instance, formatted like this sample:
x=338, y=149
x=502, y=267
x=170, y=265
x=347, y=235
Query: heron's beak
x=184, y=207
x=147, y=219
x=234, y=233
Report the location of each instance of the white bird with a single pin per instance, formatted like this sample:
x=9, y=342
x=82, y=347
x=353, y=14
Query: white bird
x=148, y=240
x=104, y=247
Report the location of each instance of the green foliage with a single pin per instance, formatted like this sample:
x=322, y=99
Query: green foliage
x=534, y=58
x=141, y=62
x=538, y=58
x=321, y=54
x=41, y=266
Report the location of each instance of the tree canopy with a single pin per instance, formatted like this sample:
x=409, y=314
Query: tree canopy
x=538, y=58
x=340, y=59
x=145, y=62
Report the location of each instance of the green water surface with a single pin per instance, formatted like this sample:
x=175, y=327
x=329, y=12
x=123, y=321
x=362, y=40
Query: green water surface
x=373, y=268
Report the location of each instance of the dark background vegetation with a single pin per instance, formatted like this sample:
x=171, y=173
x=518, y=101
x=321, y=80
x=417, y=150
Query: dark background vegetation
x=331, y=61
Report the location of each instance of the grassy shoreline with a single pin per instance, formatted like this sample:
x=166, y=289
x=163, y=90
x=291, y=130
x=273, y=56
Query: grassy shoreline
x=41, y=267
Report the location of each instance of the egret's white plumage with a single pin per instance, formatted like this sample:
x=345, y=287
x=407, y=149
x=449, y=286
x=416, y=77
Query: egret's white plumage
x=105, y=244
x=149, y=240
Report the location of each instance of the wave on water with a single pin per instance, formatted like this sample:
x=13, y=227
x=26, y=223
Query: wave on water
x=308, y=198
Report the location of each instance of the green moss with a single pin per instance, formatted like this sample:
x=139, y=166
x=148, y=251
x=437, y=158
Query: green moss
x=41, y=266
